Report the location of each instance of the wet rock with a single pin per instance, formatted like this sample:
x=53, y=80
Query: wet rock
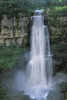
x=10, y=94
x=55, y=95
x=23, y=61
x=63, y=87
x=60, y=66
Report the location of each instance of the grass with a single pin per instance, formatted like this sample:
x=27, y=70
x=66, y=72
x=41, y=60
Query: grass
x=9, y=56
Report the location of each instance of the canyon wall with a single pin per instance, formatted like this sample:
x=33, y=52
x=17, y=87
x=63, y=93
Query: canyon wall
x=57, y=22
x=13, y=30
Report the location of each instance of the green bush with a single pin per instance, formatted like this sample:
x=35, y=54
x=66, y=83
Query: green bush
x=60, y=8
x=16, y=27
x=15, y=7
x=58, y=13
x=9, y=56
x=61, y=49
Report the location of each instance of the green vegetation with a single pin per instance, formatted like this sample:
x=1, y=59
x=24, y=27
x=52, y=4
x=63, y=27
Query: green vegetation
x=2, y=92
x=60, y=8
x=15, y=7
x=25, y=7
x=63, y=89
x=60, y=55
x=66, y=96
x=7, y=93
x=9, y=56
x=48, y=3
x=58, y=35
x=58, y=11
x=61, y=49
x=16, y=27
x=57, y=21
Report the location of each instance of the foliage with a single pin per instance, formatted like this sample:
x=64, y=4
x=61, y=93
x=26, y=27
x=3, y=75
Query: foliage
x=15, y=7
x=61, y=49
x=63, y=89
x=58, y=26
x=16, y=27
x=58, y=12
x=2, y=92
x=66, y=96
x=48, y=3
x=58, y=35
x=60, y=8
x=9, y=56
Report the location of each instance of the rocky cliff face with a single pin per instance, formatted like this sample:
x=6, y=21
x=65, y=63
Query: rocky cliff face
x=58, y=28
x=13, y=31
x=57, y=20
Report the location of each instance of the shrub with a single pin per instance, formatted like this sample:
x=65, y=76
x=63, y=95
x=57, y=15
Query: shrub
x=9, y=56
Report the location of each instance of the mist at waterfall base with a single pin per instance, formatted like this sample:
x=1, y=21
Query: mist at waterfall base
x=39, y=69
x=37, y=80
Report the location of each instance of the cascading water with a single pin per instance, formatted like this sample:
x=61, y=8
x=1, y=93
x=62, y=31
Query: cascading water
x=39, y=69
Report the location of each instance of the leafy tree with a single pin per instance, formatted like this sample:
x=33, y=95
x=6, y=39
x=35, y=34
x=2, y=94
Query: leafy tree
x=15, y=7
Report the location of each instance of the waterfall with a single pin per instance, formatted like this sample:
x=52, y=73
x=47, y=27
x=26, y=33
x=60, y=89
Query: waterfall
x=39, y=69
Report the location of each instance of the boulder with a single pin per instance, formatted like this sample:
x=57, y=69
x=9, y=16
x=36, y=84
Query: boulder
x=11, y=35
x=55, y=95
x=1, y=41
x=5, y=33
x=4, y=21
x=20, y=41
x=17, y=33
x=7, y=42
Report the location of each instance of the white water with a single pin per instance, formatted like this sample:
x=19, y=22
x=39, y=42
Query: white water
x=37, y=81
x=39, y=69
